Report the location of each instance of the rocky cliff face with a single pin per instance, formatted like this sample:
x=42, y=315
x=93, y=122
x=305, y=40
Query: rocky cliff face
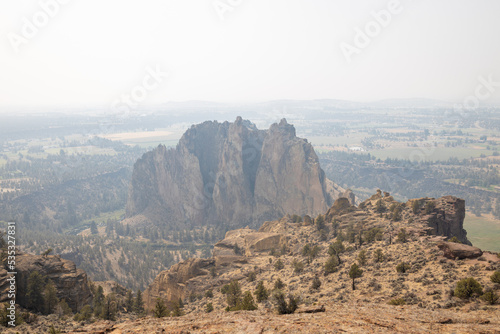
x=444, y=217
x=230, y=173
x=70, y=282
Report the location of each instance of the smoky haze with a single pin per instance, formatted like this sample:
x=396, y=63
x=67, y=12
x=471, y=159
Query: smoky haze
x=117, y=53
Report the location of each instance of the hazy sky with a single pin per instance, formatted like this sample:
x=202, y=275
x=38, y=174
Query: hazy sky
x=93, y=52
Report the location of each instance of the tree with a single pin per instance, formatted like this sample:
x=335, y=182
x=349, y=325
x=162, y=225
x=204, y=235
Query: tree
x=50, y=297
x=247, y=303
x=160, y=310
x=129, y=301
x=98, y=301
x=34, y=291
x=429, y=206
x=84, y=314
x=261, y=292
x=415, y=207
x=336, y=248
x=109, y=308
x=320, y=222
x=354, y=273
x=282, y=306
x=378, y=256
x=379, y=206
x=362, y=257
x=468, y=287
x=233, y=294
x=47, y=252
x=93, y=228
x=138, y=303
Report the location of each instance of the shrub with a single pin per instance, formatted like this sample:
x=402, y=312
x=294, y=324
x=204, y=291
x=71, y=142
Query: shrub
x=298, y=266
x=490, y=297
x=402, y=236
x=403, y=267
x=397, y=301
x=283, y=306
x=320, y=222
x=429, y=206
x=468, y=287
x=209, y=294
x=378, y=255
x=379, y=206
x=209, y=308
x=495, y=278
x=252, y=276
x=278, y=284
x=331, y=264
x=373, y=234
x=278, y=265
x=316, y=283
x=362, y=257
x=85, y=314
x=261, y=292
x=455, y=240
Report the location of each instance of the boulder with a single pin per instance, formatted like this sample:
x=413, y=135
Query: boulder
x=454, y=250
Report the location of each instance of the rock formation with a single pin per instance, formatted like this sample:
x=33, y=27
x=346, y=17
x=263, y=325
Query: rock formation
x=175, y=283
x=229, y=173
x=445, y=217
x=70, y=282
x=453, y=250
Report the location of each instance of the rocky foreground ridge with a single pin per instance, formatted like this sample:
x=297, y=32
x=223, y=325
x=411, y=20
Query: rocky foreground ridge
x=412, y=256
x=231, y=174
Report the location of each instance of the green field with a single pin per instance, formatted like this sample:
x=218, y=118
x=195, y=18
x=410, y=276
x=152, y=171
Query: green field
x=429, y=154
x=482, y=232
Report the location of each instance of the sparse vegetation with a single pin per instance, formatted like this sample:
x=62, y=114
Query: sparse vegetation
x=261, y=292
x=402, y=236
x=354, y=273
x=279, y=265
x=397, y=301
x=283, y=306
x=468, y=287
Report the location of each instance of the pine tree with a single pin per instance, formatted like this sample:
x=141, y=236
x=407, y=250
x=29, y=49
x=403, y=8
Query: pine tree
x=108, y=310
x=98, y=301
x=261, y=292
x=139, y=303
x=160, y=310
x=34, y=291
x=354, y=273
x=50, y=297
x=129, y=301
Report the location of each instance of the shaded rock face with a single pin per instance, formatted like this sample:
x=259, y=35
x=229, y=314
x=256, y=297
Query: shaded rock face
x=178, y=281
x=453, y=250
x=230, y=173
x=71, y=283
x=447, y=218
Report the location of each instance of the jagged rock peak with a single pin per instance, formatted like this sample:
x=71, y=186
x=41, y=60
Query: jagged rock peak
x=230, y=173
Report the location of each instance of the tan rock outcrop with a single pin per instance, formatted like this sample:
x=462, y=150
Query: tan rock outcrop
x=170, y=285
x=71, y=283
x=454, y=250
